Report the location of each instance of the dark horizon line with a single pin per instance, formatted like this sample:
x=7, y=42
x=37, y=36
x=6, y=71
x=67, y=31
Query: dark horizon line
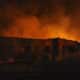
x=56, y=38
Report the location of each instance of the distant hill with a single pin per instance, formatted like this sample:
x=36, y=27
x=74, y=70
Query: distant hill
x=61, y=48
x=37, y=54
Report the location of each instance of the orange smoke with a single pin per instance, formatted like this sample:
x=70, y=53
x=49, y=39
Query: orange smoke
x=60, y=30
x=58, y=25
x=26, y=27
x=30, y=27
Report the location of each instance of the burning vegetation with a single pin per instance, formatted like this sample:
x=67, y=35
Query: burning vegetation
x=40, y=19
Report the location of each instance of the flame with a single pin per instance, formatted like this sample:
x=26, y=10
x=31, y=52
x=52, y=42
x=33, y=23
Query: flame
x=30, y=26
x=26, y=27
x=60, y=30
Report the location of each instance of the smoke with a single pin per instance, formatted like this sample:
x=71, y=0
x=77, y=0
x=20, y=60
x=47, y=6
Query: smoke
x=40, y=19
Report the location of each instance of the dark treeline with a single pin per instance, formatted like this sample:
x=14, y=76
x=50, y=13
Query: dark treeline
x=38, y=55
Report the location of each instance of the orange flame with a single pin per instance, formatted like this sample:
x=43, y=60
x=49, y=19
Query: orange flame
x=60, y=30
x=30, y=27
x=33, y=27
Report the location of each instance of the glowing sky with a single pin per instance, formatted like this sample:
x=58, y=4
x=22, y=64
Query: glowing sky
x=40, y=19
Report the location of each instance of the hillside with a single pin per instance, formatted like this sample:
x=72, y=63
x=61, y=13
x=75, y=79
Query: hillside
x=18, y=54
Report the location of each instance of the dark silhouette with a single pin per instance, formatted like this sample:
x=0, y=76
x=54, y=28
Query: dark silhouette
x=38, y=60
x=55, y=51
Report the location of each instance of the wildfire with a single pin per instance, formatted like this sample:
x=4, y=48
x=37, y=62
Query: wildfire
x=60, y=30
x=25, y=27
x=30, y=27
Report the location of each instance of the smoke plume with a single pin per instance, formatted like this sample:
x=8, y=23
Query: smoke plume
x=40, y=19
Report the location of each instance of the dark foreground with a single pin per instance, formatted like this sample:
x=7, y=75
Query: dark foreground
x=30, y=57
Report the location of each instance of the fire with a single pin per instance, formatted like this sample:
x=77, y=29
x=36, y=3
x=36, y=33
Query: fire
x=30, y=27
x=26, y=27
x=60, y=30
